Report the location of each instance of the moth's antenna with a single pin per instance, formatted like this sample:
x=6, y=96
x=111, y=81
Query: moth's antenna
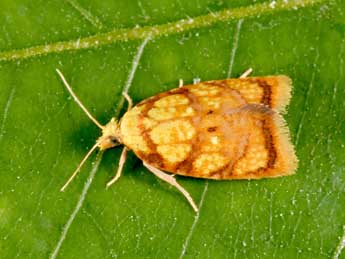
x=79, y=166
x=69, y=88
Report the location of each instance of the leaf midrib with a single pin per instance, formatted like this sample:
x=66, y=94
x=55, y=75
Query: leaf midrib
x=156, y=31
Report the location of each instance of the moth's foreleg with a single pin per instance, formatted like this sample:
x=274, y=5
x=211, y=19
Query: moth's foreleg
x=120, y=167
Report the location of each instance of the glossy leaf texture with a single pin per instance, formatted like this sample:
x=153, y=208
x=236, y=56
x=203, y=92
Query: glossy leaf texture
x=104, y=47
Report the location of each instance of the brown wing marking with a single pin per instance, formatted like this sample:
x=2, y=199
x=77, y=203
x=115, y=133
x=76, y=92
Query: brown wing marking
x=227, y=94
x=278, y=156
x=186, y=165
x=261, y=117
x=269, y=144
x=266, y=98
x=154, y=158
x=281, y=159
x=229, y=99
x=226, y=171
x=273, y=91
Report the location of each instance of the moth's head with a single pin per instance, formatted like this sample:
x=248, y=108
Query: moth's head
x=110, y=136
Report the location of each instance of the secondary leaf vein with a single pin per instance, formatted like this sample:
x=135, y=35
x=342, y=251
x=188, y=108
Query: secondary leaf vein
x=7, y=107
x=235, y=45
x=134, y=67
x=78, y=206
x=195, y=222
x=86, y=14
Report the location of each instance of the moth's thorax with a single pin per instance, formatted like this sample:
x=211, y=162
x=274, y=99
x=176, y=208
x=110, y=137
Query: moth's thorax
x=110, y=136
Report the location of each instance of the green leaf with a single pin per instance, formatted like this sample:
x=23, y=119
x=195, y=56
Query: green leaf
x=97, y=45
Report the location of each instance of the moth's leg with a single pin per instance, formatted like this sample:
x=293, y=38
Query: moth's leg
x=196, y=81
x=171, y=180
x=246, y=73
x=120, y=167
x=180, y=83
x=129, y=100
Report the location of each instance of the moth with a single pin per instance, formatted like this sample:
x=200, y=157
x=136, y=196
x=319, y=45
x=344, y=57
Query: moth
x=220, y=129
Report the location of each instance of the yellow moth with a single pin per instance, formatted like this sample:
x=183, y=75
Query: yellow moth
x=221, y=129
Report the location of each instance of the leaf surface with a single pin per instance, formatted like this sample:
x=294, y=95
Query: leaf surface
x=103, y=47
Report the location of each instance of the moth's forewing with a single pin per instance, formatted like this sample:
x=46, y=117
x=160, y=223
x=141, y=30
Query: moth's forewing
x=222, y=129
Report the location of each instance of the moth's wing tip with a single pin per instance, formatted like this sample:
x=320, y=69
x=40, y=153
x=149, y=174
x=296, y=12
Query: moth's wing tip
x=282, y=92
x=288, y=160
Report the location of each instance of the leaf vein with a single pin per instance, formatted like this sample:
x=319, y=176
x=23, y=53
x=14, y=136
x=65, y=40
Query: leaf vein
x=156, y=31
x=86, y=14
x=7, y=107
x=78, y=206
x=340, y=247
x=130, y=78
x=306, y=100
x=235, y=45
x=195, y=222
